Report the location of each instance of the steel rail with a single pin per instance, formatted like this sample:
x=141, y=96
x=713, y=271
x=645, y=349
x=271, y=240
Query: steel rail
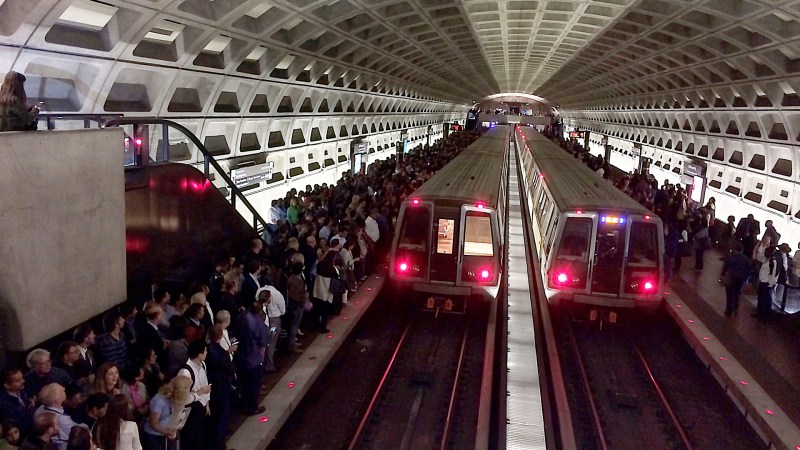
x=368, y=414
x=585, y=378
x=664, y=402
x=453, y=392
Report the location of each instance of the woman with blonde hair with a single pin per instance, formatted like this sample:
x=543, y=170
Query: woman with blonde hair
x=107, y=380
x=165, y=410
x=15, y=115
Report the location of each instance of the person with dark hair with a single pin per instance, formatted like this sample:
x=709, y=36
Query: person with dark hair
x=15, y=115
x=297, y=297
x=116, y=430
x=250, y=284
x=221, y=374
x=178, y=348
x=253, y=341
x=192, y=435
x=80, y=439
x=134, y=390
x=67, y=357
x=194, y=328
x=767, y=279
x=14, y=403
x=96, y=406
x=150, y=336
x=75, y=404
x=85, y=337
x=111, y=346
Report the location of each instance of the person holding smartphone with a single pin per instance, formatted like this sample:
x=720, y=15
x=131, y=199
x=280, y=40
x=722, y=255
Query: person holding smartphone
x=221, y=374
x=15, y=114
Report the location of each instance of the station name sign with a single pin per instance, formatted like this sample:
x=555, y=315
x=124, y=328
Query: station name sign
x=248, y=176
x=577, y=134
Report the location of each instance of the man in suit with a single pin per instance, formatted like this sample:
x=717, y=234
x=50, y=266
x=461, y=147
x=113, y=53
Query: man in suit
x=149, y=335
x=221, y=375
x=14, y=404
x=85, y=337
x=250, y=284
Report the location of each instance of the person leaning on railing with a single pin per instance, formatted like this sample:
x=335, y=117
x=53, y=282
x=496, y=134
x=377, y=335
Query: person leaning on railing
x=15, y=114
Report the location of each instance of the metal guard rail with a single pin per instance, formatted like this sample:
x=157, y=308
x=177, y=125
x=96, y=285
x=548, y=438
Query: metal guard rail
x=259, y=224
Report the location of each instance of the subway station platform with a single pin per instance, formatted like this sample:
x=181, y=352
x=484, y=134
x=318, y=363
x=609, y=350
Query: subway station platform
x=756, y=361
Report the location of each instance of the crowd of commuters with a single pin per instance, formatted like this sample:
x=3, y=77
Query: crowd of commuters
x=690, y=229
x=172, y=368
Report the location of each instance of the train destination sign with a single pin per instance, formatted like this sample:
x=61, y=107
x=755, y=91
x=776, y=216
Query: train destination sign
x=248, y=176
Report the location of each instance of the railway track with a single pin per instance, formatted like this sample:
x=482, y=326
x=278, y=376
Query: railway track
x=416, y=402
x=630, y=390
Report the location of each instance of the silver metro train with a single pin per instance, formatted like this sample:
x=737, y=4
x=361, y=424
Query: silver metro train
x=596, y=246
x=451, y=230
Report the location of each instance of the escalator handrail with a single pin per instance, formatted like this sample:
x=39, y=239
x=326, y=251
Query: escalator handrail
x=196, y=141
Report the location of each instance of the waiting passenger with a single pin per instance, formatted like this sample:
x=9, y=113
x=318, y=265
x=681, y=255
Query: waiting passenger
x=15, y=114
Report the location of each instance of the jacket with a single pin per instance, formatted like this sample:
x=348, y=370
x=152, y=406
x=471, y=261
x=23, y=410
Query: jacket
x=15, y=116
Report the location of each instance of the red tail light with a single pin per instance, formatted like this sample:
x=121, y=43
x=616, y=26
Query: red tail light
x=415, y=201
x=485, y=275
x=564, y=278
x=640, y=282
x=402, y=267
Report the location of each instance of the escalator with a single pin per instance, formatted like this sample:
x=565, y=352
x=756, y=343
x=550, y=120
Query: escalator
x=177, y=225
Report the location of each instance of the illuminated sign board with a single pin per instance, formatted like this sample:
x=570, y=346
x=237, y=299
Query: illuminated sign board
x=577, y=134
x=612, y=220
x=248, y=176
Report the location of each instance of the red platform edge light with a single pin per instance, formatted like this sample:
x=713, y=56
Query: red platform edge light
x=290, y=385
x=330, y=336
x=722, y=358
x=770, y=412
x=743, y=383
x=263, y=419
x=690, y=321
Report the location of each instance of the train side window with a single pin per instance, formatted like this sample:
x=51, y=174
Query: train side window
x=575, y=238
x=414, y=232
x=478, y=235
x=444, y=236
x=552, y=236
x=643, y=247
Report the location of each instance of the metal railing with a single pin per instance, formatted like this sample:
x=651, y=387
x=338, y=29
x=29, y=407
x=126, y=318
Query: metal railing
x=162, y=152
x=162, y=155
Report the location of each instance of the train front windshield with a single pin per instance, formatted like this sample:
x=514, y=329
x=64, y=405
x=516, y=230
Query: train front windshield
x=411, y=255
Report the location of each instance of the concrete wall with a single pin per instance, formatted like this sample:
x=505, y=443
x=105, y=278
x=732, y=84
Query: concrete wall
x=62, y=231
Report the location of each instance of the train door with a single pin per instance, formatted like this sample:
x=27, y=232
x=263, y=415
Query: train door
x=480, y=251
x=609, y=258
x=643, y=265
x=444, y=251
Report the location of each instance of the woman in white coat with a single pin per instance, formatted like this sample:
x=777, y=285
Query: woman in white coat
x=116, y=431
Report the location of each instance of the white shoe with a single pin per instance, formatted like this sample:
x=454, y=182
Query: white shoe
x=300, y=333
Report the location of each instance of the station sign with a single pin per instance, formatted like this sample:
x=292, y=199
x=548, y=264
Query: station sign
x=250, y=175
x=577, y=134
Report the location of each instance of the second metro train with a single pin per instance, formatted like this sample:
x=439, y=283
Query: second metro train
x=596, y=245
